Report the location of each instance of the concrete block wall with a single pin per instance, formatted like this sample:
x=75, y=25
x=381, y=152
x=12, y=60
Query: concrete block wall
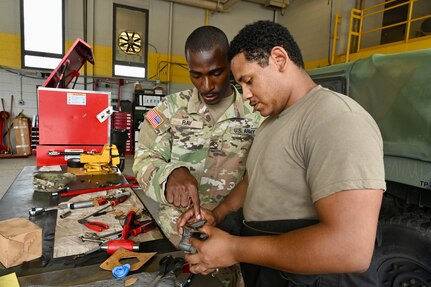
x=23, y=87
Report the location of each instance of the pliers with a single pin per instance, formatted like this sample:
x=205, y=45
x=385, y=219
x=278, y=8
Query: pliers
x=99, y=226
x=94, y=225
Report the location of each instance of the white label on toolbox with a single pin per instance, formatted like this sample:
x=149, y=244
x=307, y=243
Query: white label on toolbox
x=76, y=99
x=106, y=113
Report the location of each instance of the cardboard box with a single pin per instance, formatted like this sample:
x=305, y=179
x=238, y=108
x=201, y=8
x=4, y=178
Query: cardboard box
x=22, y=135
x=20, y=241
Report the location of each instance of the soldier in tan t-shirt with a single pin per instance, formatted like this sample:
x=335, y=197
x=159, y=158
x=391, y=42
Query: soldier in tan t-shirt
x=315, y=177
x=324, y=143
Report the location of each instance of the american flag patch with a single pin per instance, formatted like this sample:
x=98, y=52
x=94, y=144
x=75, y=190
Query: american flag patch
x=154, y=118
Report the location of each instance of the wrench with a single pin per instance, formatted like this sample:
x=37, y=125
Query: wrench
x=84, y=239
x=92, y=235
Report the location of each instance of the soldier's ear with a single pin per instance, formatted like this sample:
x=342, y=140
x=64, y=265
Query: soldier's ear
x=279, y=57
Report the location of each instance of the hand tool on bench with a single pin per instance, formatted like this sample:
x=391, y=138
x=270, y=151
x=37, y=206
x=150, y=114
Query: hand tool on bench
x=128, y=223
x=74, y=205
x=110, y=246
x=144, y=227
x=113, y=245
x=168, y=264
x=94, y=225
x=99, y=226
x=101, y=238
x=96, y=189
x=40, y=210
x=112, y=201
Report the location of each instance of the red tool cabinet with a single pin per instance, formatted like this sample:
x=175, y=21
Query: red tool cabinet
x=124, y=121
x=68, y=121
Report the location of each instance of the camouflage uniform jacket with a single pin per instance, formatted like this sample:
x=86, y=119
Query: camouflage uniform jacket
x=187, y=136
x=180, y=132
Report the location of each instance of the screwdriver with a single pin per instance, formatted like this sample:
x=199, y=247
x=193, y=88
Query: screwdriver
x=145, y=227
x=130, y=218
x=112, y=203
x=119, y=200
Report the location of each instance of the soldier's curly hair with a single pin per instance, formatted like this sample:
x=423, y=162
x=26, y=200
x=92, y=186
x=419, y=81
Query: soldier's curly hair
x=206, y=38
x=256, y=41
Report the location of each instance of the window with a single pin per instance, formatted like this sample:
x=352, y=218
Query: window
x=42, y=33
x=130, y=38
x=335, y=81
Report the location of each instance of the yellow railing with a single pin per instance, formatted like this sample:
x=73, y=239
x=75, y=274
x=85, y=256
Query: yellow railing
x=335, y=38
x=358, y=17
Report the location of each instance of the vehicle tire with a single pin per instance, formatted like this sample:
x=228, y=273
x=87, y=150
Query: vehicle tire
x=404, y=253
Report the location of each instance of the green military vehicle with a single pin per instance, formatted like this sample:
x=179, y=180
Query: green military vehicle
x=396, y=90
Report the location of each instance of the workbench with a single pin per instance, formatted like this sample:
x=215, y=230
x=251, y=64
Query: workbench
x=67, y=271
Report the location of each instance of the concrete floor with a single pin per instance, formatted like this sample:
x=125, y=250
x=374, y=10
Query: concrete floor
x=11, y=167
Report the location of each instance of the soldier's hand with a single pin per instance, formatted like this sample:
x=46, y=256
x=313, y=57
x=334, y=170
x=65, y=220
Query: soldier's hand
x=188, y=217
x=217, y=251
x=182, y=188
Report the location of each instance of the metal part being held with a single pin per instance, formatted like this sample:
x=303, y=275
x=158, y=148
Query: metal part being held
x=190, y=231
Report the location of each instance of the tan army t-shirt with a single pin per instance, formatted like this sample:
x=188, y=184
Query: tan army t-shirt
x=218, y=110
x=324, y=143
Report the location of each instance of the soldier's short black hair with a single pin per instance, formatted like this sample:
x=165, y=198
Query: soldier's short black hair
x=256, y=41
x=206, y=38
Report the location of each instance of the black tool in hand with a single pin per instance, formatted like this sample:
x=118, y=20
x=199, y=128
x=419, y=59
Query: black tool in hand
x=168, y=264
x=189, y=231
x=184, y=279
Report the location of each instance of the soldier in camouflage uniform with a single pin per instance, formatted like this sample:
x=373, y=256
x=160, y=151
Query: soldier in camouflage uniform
x=193, y=146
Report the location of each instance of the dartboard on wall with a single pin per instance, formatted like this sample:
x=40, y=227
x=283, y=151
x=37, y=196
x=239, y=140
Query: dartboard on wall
x=130, y=42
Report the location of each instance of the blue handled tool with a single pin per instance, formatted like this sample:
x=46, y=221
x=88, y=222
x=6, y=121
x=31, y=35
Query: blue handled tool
x=168, y=264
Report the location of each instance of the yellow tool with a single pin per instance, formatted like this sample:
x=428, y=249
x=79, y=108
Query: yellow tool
x=106, y=162
x=103, y=163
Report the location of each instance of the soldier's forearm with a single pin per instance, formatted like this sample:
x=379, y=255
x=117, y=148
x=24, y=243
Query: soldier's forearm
x=232, y=202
